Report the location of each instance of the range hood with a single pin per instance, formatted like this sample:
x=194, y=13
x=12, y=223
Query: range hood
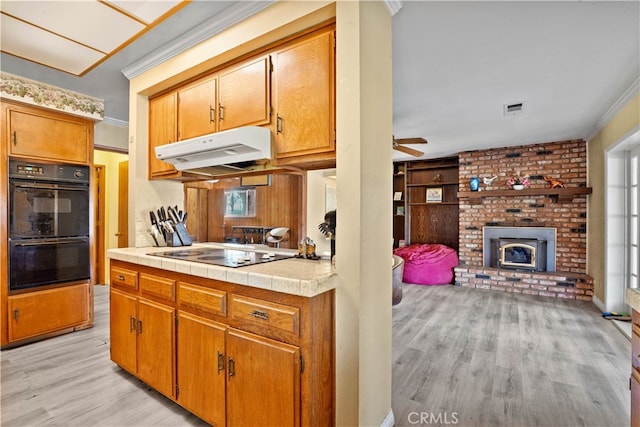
x=220, y=152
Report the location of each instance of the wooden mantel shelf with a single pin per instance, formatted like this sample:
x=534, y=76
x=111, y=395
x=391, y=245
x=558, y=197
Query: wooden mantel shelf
x=558, y=195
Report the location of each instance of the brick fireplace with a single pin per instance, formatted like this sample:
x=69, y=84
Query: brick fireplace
x=563, y=160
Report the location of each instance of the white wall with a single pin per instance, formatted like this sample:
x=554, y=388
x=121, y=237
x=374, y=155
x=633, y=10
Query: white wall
x=111, y=135
x=318, y=183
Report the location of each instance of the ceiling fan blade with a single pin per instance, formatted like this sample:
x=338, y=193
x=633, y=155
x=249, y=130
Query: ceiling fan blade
x=418, y=140
x=408, y=150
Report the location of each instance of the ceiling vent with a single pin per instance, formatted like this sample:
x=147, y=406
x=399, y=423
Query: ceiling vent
x=513, y=109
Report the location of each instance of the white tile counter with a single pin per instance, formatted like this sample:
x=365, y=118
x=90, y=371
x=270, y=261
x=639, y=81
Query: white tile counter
x=294, y=276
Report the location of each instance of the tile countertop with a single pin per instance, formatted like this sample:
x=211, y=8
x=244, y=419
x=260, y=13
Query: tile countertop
x=294, y=276
x=633, y=298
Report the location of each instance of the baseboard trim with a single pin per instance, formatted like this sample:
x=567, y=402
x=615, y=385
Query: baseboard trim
x=389, y=420
x=598, y=303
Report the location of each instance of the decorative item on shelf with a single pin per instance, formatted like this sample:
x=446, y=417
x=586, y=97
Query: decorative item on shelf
x=554, y=183
x=518, y=182
x=328, y=228
x=400, y=210
x=437, y=178
x=474, y=184
x=397, y=196
x=487, y=181
x=434, y=195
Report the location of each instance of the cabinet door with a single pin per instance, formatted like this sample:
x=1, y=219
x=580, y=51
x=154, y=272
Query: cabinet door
x=40, y=312
x=197, y=109
x=265, y=373
x=304, y=97
x=244, y=95
x=51, y=138
x=635, y=398
x=201, y=367
x=122, y=329
x=162, y=130
x=156, y=326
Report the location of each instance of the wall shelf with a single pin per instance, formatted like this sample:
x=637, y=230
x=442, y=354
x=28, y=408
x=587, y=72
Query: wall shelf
x=432, y=184
x=558, y=195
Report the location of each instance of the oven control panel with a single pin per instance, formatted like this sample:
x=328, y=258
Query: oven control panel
x=29, y=169
x=50, y=172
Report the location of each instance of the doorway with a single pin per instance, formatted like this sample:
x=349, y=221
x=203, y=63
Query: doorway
x=99, y=224
x=622, y=228
x=123, y=204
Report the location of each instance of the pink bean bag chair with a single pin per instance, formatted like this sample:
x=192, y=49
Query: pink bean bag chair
x=428, y=264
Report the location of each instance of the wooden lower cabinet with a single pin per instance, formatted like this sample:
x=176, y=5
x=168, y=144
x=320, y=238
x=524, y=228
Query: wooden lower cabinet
x=37, y=313
x=142, y=340
x=634, y=381
x=230, y=354
x=265, y=373
x=201, y=367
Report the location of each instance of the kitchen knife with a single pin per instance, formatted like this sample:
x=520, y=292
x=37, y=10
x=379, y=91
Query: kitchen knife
x=173, y=215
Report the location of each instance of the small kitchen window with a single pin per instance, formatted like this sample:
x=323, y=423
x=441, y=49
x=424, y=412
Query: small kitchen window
x=240, y=203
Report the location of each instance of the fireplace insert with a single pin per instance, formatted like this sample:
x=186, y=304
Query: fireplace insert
x=520, y=254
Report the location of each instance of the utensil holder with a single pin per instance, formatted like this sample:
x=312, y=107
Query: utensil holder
x=173, y=240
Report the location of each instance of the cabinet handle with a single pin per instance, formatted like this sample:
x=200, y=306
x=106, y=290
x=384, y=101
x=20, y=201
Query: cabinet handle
x=139, y=331
x=232, y=367
x=15, y=138
x=220, y=112
x=278, y=124
x=121, y=277
x=212, y=114
x=16, y=314
x=263, y=315
x=132, y=324
x=220, y=362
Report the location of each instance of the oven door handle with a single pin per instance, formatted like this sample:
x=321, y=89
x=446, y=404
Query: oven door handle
x=39, y=186
x=51, y=242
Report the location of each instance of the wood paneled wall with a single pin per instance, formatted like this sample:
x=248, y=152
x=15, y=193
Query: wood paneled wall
x=277, y=205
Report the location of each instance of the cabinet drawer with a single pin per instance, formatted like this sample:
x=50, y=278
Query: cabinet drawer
x=264, y=313
x=158, y=286
x=201, y=298
x=124, y=277
x=635, y=317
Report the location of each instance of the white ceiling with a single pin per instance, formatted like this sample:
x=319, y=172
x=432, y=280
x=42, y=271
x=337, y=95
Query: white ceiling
x=75, y=36
x=455, y=64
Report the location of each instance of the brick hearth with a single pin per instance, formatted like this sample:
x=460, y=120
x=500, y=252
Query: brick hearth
x=564, y=160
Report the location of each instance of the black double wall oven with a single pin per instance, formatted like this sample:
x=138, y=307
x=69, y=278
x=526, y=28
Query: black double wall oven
x=48, y=224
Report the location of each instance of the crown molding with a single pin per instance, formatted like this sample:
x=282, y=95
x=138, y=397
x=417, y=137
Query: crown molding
x=204, y=31
x=115, y=122
x=393, y=6
x=621, y=102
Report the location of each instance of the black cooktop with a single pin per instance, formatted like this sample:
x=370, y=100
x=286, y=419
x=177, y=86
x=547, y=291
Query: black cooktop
x=224, y=257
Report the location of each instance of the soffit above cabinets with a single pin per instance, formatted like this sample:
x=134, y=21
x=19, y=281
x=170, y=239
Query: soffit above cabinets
x=76, y=36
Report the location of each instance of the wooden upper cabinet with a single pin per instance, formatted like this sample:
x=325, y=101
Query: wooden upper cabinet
x=244, y=94
x=162, y=130
x=197, y=108
x=304, y=96
x=40, y=134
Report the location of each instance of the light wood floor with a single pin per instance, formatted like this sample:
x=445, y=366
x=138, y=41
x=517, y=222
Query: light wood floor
x=484, y=358
x=70, y=381
x=467, y=356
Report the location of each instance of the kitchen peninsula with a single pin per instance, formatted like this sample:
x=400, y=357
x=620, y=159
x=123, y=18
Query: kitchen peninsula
x=235, y=346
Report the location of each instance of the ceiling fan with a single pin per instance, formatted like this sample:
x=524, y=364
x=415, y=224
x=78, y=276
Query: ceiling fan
x=399, y=144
